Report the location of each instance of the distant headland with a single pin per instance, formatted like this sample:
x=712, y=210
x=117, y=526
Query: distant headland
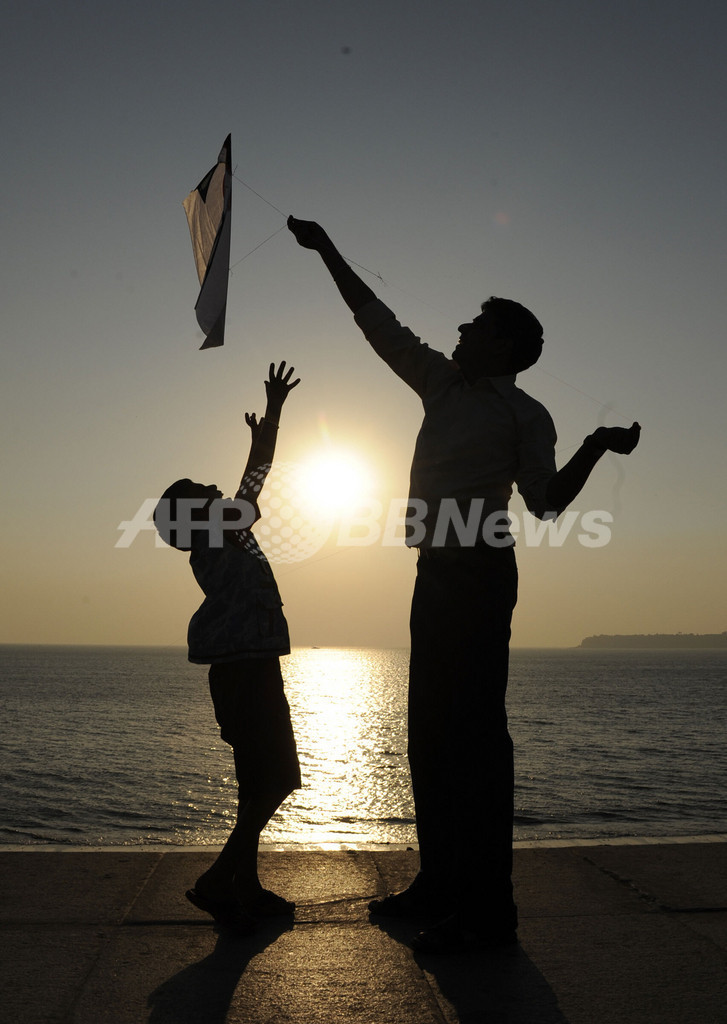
x=660, y=640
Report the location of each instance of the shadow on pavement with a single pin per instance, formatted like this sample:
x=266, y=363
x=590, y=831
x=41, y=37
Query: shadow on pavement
x=204, y=991
x=504, y=988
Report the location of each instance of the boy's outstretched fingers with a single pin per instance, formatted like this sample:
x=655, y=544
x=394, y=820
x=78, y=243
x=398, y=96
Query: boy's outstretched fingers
x=252, y=422
x=279, y=382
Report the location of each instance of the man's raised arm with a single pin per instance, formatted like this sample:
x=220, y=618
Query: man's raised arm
x=310, y=235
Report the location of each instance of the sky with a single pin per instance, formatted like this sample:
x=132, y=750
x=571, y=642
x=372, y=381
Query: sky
x=571, y=155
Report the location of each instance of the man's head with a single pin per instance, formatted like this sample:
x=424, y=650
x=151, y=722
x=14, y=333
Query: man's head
x=504, y=339
x=166, y=511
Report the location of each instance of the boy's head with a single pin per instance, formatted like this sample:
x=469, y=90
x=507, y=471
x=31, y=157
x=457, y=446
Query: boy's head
x=165, y=513
x=504, y=339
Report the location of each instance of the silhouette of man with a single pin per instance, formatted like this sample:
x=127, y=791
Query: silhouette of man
x=480, y=435
x=241, y=633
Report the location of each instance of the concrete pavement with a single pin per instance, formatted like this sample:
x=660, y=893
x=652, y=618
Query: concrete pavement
x=610, y=934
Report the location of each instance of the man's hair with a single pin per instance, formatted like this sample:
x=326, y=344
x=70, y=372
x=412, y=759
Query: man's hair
x=166, y=511
x=520, y=326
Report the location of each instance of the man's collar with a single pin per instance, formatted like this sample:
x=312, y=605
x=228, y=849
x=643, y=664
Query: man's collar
x=502, y=385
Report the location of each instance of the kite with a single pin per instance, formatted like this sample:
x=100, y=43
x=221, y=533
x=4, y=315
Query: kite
x=209, y=215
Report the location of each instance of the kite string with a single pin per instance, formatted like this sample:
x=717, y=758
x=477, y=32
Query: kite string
x=374, y=273
x=278, y=210
x=233, y=265
x=272, y=205
x=380, y=278
x=606, y=407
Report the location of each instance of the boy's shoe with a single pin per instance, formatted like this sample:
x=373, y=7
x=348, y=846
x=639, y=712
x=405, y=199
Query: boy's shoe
x=266, y=903
x=225, y=912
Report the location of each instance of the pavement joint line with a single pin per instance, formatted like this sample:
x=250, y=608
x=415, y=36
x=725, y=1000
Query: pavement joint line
x=382, y=881
x=428, y=980
x=647, y=897
x=311, y=904
x=169, y=922
x=628, y=883
x=693, y=910
x=104, y=929
x=142, y=886
x=105, y=935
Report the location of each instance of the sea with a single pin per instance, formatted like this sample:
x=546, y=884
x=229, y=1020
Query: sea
x=118, y=747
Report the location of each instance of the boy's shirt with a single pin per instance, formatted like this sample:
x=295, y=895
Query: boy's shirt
x=242, y=613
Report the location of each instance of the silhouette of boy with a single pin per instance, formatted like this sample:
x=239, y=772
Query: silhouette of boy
x=480, y=435
x=240, y=632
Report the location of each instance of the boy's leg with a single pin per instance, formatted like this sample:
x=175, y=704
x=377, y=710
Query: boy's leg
x=254, y=718
x=233, y=875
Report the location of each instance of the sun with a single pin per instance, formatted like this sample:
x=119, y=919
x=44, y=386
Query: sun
x=301, y=502
x=334, y=482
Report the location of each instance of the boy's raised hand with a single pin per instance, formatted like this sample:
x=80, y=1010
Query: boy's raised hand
x=252, y=422
x=278, y=384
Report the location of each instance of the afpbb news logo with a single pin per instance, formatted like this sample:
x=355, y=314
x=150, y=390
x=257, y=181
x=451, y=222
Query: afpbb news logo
x=289, y=530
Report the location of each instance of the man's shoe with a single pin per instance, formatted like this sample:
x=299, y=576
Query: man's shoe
x=418, y=900
x=459, y=934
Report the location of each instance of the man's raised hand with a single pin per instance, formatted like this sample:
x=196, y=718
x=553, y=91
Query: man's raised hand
x=309, y=234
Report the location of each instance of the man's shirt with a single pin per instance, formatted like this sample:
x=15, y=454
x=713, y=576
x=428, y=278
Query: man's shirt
x=475, y=441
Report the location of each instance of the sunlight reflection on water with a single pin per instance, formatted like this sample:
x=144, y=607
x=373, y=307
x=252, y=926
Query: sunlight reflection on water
x=119, y=746
x=346, y=706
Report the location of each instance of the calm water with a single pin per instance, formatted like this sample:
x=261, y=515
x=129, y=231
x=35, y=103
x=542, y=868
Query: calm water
x=111, y=746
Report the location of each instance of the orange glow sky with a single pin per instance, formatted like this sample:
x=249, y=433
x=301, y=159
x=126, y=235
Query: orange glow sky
x=571, y=156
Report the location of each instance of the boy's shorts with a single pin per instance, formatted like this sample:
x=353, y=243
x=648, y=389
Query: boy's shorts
x=253, y=714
